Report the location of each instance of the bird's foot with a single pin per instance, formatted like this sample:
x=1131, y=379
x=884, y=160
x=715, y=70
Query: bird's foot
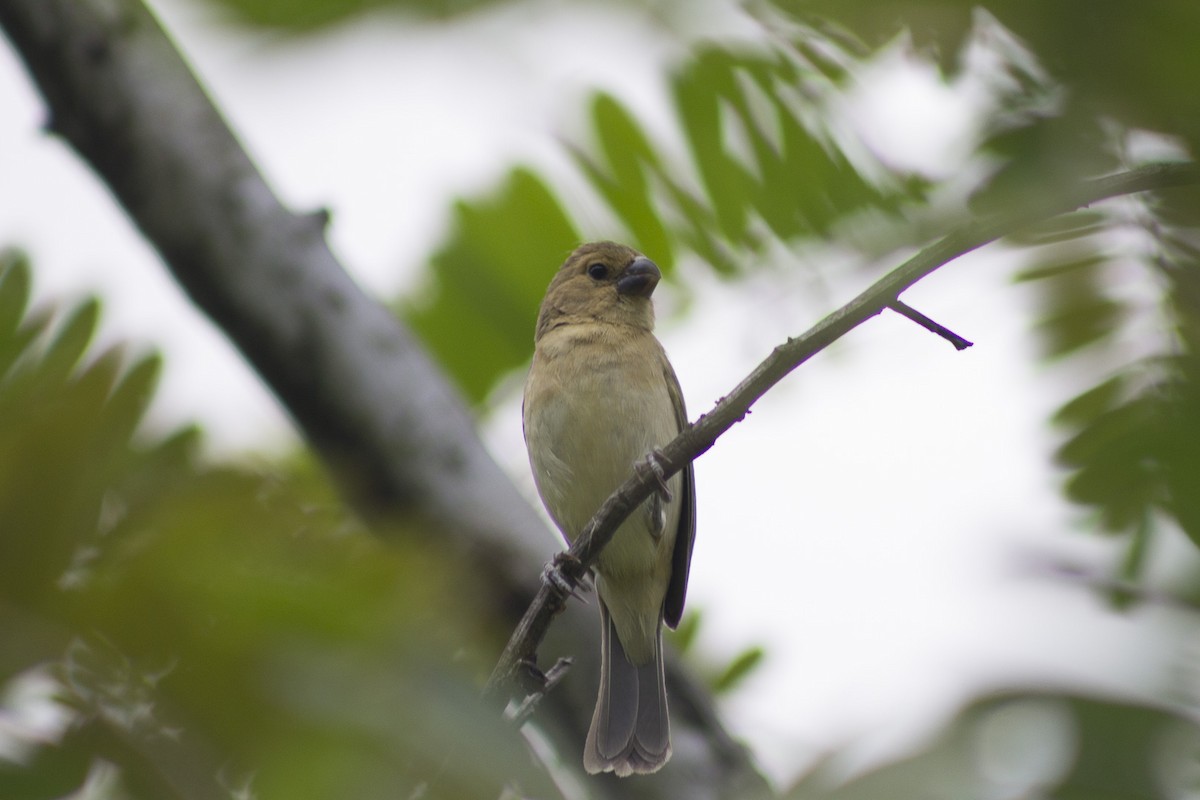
x=654, y=463
x=553, y=576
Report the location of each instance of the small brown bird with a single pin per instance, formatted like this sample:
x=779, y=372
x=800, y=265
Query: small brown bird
x=600, y=397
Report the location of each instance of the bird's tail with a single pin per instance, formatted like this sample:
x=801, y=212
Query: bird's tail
x=630, y=731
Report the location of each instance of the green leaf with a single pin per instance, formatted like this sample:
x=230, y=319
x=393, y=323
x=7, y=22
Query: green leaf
x=1133, y=564
x=96, y=378
x=741, y=666
x=1077, y=309
x=70, y=342
x=629, y=162
x=1063, y=268
x=1115, y=463
x=700, y=90
x=16, y=332
x=15, y=283
x=488, y=280
x=311, y=16
x=1084, y=322
x=1178, y=449
x=132, y=395
x=684, y=636
x=1089, y=406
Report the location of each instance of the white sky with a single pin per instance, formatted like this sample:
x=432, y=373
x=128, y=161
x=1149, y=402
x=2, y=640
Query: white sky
x=870, y=522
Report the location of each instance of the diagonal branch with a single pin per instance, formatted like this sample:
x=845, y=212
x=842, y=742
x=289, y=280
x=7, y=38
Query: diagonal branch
x=698, y=437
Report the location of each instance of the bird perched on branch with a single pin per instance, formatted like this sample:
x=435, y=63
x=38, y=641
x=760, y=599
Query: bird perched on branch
x=601, y=395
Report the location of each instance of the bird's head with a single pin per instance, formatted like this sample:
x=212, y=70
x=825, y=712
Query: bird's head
x=601, y=282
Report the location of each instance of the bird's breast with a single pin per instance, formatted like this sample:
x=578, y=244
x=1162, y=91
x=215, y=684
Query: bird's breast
x=596, y=402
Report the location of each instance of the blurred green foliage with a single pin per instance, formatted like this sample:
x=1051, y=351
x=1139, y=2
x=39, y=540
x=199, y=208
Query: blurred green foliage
x=487, y=281
x=721, y=675
x=1119, y=66
x=1133, y=62
x=309, y=16
x=759, y=166
x=1132, y=439
x=209, y=628
x=782, y=177
x=1037, y=744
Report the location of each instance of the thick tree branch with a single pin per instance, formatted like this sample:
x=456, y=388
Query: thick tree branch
x=362, y=389
x=704, y=432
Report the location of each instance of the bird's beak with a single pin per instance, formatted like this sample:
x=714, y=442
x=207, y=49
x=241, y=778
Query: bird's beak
x=640, y=278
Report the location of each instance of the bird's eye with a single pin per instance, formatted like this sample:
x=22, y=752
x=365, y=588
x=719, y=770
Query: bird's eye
x=597, y=271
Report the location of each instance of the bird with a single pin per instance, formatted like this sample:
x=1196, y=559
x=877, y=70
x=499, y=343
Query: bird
x=600, y=397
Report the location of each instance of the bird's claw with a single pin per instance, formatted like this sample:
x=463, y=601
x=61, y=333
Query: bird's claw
x=653, y=462
x=553, y=576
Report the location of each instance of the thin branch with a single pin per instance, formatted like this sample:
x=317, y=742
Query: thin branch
x=1120, y=591
x=698, y=437
x=546, y=681
x=907, y=311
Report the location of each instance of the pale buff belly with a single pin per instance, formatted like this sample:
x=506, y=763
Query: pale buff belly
x=585, y=432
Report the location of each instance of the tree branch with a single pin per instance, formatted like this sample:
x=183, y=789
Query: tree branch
x=361, y=387
x=698, y=437
x=907, y=311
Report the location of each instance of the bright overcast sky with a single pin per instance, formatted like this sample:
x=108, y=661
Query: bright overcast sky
x=872, y=522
